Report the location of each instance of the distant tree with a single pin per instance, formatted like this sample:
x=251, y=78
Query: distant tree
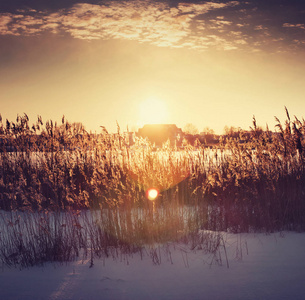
x=208, y=135
x=190, y=129
x=208, y=131
x=231, y=131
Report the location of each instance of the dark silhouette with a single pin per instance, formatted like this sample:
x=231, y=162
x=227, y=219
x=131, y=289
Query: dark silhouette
x=160, y=133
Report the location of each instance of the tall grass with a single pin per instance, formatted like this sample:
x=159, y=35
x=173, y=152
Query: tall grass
x=251, y=182
x=259, y=181
x=34, y=238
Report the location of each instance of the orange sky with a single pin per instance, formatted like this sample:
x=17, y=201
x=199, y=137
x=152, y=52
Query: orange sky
x=98, y=64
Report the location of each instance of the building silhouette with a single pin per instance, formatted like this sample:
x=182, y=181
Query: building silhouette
x=161, y=133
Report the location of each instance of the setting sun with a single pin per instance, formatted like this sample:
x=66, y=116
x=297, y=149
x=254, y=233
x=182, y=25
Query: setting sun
x=153, y=111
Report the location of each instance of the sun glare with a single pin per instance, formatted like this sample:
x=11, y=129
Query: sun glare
x=152, y=193
x=153, y=111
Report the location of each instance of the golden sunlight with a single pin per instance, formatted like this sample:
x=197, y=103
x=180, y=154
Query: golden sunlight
x=153, y=111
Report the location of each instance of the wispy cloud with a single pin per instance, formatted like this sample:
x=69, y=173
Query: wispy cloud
x=289, y=25
x=225, y=26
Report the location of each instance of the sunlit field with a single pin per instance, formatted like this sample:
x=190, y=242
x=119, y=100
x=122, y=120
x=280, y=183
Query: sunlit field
x=65, y=193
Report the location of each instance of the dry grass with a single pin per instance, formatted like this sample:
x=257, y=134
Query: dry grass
x=253, y=182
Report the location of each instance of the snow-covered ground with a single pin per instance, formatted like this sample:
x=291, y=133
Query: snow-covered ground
x=260, y=267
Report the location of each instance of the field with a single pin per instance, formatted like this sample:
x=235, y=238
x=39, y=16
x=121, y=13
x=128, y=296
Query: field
x=67, y=195
x=265, y=267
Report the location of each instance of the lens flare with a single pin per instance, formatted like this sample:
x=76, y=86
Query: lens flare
x=152, y=193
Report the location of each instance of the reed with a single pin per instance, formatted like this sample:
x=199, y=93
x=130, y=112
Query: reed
x=251, y=182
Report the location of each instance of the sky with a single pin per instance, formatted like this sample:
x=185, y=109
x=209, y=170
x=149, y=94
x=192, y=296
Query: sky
x=103, y=63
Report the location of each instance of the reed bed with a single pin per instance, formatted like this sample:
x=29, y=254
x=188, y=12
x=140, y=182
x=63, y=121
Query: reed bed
x=35, y=238
x=51, y=174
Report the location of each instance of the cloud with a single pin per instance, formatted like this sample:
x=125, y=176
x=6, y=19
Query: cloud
x=5, y=19
x=223, y=26
x=18, y=24
x=289, y=25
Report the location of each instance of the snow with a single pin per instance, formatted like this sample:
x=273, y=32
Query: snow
x=260, y=267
